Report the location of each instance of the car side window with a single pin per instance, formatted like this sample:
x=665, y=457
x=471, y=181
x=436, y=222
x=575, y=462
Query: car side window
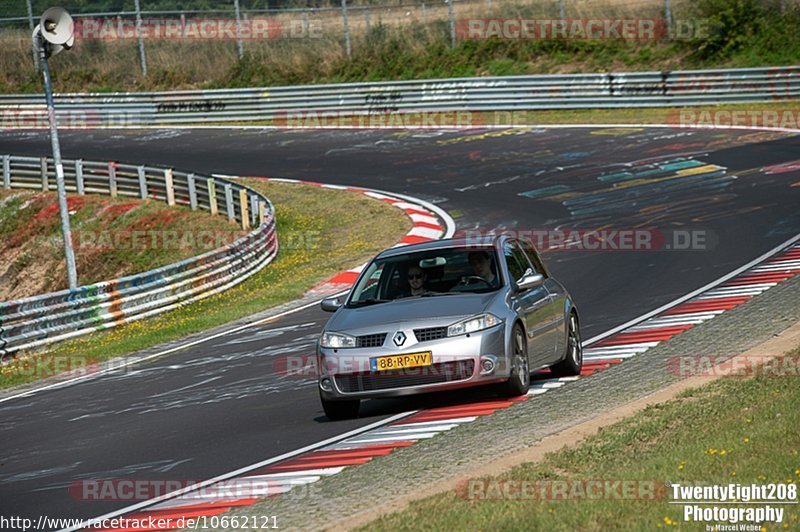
x=517, y=262
x=533, y=256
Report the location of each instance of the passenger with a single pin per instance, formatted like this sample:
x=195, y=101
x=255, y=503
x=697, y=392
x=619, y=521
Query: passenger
x=482, y=266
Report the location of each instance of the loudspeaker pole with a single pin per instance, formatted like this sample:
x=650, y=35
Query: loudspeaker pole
x=45, y=49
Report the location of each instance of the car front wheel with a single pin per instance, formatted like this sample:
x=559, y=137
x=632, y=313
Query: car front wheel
x=520, y=378
x=573, y=358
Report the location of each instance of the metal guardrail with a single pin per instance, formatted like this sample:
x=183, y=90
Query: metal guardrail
x=513, y=93
x=35, y=321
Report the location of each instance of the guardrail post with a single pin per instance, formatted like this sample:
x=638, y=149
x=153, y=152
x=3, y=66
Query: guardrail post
x=6, y=172
x=142, y=182
x=229, y=203
x=253, y=211
x=170, y=187
x=244, y=208
x=366, y=19
x=79, y=177
x=212, y=196
x=45, y=184
x=112, y=179
x=192, y=192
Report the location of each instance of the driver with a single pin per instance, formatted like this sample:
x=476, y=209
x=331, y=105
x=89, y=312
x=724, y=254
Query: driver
x=482, y=266
x=416, y=281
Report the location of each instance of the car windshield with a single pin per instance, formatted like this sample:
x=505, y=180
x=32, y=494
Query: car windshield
x=428, y=273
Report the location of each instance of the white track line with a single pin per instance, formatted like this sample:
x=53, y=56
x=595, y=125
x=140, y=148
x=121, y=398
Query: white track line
x=636, y=321
x=226, y=476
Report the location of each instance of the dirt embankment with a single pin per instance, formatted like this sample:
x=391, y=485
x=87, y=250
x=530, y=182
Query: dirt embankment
x=111, y=237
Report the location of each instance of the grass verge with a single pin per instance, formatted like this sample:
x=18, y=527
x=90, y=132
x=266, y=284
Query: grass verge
x=321, y=231
x=736, y=430
x=784, y=114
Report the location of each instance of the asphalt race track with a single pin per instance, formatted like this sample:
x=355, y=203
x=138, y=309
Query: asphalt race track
x=220, y=406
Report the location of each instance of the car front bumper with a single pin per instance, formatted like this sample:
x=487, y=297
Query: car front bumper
x=457, y=363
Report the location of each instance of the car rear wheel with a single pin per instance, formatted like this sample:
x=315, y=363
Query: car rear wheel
x=573, y=358
x=520, y=379
x=336, y=410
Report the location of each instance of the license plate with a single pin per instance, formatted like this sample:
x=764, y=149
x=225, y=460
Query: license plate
x=411, y=360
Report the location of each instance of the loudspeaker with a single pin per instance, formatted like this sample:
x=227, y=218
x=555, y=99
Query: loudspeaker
x=57, y=27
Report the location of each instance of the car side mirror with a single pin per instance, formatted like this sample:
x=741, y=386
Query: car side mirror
x=331, y=304
x=530, y=280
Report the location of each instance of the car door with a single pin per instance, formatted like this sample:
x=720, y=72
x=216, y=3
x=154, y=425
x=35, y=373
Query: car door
x=557, y=296
x=534, y=305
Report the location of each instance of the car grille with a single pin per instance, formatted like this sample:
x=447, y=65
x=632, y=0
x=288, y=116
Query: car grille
x=370, y=340
x=403, y=378
x=432, y=333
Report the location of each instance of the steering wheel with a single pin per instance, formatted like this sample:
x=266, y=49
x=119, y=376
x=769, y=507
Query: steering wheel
x=467, y=280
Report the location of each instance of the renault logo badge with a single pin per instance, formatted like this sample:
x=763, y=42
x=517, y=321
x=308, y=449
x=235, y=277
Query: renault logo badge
x=399, y=338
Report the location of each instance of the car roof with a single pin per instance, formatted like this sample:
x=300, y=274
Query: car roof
x=483, y=242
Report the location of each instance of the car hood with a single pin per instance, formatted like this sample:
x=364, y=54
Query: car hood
x=427, y=311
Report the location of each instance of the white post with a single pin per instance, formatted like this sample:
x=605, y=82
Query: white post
x=79, y=177
x=212, y=195
x=229, y=203
x=43, y=165
x=112, y=179
x=170, y=187
x=244, y=208
x=6, y=172
x=192, y=192
x=142, y=182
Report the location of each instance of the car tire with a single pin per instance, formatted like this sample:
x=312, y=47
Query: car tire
x=573, y=358
x=519, y=380
x=338, y=410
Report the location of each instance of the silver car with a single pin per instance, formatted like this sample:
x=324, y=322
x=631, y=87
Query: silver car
x=444, y=315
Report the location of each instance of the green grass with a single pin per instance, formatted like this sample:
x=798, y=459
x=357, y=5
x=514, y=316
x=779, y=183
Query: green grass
x=322, y=232
x=704, y=115
x=733, y=430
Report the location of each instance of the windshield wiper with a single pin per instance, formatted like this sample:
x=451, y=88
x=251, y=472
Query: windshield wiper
x=434, y=294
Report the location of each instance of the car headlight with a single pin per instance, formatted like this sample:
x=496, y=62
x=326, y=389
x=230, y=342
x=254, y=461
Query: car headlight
x=337, y=340
x=476, y=323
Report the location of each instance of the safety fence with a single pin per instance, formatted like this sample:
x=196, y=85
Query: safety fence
x=292, y=105
x=36, y=321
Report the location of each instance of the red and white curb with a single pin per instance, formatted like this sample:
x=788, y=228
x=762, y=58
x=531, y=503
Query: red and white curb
x=402, y=430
